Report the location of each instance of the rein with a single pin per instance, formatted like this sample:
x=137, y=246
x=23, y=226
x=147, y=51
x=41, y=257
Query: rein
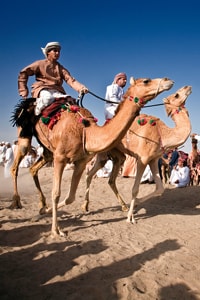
x=80, y=99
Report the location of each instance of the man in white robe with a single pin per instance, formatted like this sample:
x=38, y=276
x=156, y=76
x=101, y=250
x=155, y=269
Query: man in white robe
x=180, y=175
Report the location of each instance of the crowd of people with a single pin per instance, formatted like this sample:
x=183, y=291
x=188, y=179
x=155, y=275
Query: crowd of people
x=8, y=152
x=174, y=166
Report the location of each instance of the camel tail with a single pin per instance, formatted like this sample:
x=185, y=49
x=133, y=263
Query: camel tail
x=23, y=116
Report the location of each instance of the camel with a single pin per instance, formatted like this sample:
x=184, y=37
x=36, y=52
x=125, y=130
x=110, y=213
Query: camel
x=77, y=138
x=193, y=157
x=147, y=139
x=165, y=169
x=194, y=161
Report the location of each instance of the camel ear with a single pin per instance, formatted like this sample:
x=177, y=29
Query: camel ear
x=132, y=81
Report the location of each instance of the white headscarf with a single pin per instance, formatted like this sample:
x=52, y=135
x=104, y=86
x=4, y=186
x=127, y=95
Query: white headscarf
x=49, y=46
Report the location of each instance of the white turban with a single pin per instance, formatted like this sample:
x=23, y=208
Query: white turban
x=50, y=46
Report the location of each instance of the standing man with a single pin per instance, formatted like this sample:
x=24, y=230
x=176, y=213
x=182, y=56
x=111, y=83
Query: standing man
x=114, y=93
x=9, y=157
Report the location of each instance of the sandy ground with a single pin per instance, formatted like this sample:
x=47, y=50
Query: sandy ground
x=102, y=257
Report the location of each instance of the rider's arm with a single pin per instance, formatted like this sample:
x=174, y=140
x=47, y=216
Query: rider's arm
x=72, y=82
x=23, y=80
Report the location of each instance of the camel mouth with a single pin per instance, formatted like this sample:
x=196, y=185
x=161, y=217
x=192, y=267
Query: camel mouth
x=189, y=91
x=169, y=85
x=166, y=85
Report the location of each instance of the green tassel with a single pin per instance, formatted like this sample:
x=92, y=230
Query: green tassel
x=63, y=106
x=45, y=120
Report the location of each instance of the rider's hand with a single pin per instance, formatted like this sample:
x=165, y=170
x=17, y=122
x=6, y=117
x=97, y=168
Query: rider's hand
x=84, y=90
x=24, y=94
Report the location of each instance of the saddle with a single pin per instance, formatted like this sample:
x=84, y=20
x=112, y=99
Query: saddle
x=51, y=114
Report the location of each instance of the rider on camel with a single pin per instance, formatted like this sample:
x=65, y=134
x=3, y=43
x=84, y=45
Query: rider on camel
x=49, y=75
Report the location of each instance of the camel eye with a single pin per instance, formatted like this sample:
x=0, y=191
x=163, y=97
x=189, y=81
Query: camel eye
x=146, y=80
x=177, y=96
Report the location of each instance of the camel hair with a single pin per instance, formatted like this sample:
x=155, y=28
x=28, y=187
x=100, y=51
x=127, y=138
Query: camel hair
x=146, y=143
x=72, y=140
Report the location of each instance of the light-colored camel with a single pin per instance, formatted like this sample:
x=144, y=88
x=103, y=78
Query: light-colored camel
x=194, y=161
x=165, y=169
x=193, y=157
x=147, y=143
x=72, y=140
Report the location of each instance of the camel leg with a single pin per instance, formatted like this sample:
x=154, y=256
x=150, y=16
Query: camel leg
x=58, y=168
x=47, y=157
x=158, y=190
x=118, y=160
x=139, y=172
x=79, y=167
x=159, y=185
x=100, y=162
x=24, y=145
x=164, y=175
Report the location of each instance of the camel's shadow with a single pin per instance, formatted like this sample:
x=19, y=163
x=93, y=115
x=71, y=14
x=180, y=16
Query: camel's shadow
x=181, y=201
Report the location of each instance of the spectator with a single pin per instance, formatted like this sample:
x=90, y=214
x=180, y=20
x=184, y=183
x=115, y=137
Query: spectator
x=9, y=158
x=174, y=159
x=180, y=175
x=2, y=153
x=14, y=147
x=39, y=150
x=147, y=176
x=129, y=167
x=28, y=159
x=106, y=170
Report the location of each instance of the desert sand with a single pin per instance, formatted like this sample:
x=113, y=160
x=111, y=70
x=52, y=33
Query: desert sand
x=102, y=256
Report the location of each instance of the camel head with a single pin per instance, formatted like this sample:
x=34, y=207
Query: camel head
x=193, y=140
x=176, y=101
x=147, y=88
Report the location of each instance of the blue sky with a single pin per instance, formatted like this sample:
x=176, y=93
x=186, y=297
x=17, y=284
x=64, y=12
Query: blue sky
x=99, y=39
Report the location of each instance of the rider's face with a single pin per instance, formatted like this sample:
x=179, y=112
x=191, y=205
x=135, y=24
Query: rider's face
x=121, y=82
x=54, y=54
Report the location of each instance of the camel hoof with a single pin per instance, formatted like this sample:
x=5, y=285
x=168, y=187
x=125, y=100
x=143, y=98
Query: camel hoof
x=85, y=208
x=125, y=208
x=44, y=210
x=37, y=218
x=131, y=221
x=15, y=205
x=58, y=233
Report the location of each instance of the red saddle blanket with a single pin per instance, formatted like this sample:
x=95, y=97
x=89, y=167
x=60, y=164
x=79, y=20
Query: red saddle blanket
x=51, y=114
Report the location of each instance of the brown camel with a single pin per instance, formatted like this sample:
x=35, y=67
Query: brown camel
x=72, y=140
x=193, y=157
x=194, y=161
x=147, y=143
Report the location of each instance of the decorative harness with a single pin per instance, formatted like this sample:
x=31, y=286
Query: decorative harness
x=144, y=120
